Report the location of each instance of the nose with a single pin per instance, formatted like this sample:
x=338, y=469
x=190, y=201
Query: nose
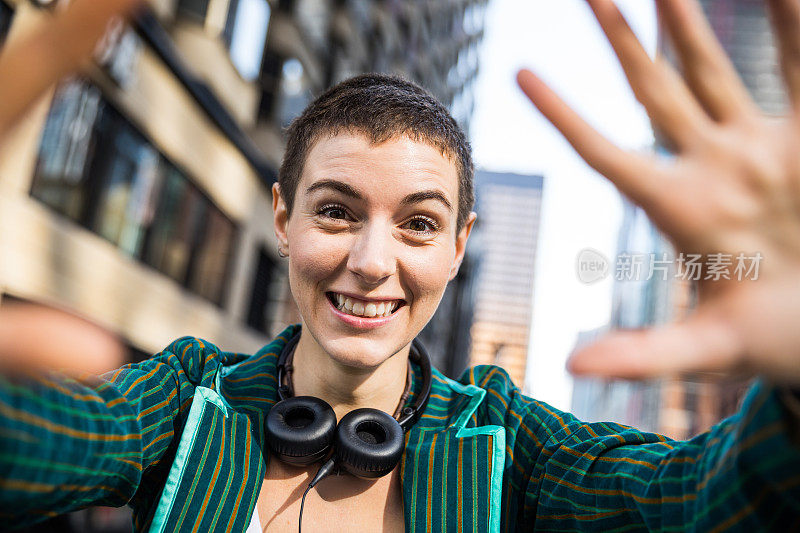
x=372, y=257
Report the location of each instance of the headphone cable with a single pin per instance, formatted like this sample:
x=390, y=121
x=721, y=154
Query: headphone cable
x=324, y=471
x=302, y=502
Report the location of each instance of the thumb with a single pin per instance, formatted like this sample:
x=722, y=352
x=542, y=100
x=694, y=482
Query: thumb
x=36, y=339
x=703, y=343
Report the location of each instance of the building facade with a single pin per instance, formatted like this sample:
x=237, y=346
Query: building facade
x=639, y=299
x=502, y=259
x=138, y=194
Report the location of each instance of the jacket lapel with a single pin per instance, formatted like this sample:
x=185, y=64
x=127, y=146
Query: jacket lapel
x=214, y=480
x=452, y=472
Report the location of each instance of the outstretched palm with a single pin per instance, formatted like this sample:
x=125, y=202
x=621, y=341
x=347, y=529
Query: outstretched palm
x=733, y=186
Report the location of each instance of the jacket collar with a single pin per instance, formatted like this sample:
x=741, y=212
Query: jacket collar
x=447, y=445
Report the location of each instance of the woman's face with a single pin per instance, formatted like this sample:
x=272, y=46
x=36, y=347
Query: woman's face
x=372, y=243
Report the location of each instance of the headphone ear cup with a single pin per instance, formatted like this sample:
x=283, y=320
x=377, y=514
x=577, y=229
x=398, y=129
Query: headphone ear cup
x=300, y=430
x=369, y=443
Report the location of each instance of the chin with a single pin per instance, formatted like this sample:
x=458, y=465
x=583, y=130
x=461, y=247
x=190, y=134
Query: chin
x=360, y=352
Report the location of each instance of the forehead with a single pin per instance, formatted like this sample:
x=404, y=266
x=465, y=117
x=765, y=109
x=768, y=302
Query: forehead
x=400, y=164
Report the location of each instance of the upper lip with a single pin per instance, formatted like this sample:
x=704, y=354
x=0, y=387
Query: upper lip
x=368, y=298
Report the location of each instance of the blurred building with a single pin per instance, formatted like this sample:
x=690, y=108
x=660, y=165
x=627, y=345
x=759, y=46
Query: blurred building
x=138, y=194
x=486, y=314
x=5, y=20
x=638, y=302
x=743, y=28
x=683, y=407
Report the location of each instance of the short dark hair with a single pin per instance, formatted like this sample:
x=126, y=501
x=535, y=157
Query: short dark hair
x=380, y=107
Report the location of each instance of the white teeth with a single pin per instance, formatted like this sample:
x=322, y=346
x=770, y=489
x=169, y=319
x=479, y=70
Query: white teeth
x=365, y=309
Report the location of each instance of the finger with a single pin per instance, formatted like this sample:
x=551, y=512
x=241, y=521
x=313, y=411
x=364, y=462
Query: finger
x=668, y=102
x=28, y=67
x=635, y=175
x=786, y=21
x=37, y=339
x=706, y=68
x=701, y=344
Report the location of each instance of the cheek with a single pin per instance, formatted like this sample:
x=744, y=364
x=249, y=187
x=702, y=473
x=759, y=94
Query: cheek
x=428, y=273
x=313, y=258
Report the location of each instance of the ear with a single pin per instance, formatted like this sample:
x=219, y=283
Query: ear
x=280, y=217
x=461, y=244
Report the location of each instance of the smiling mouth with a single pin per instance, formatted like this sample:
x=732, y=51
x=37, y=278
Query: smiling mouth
x=361, y=308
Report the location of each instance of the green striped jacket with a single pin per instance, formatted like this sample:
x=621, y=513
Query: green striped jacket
x=179, y=437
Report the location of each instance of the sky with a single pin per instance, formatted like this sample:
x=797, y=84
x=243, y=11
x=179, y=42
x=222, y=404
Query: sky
x=562, y=43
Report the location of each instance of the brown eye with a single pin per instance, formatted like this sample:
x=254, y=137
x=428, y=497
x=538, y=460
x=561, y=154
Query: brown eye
x=418, y=225
x=333, y=211
x=421, y=225
x=336, y=213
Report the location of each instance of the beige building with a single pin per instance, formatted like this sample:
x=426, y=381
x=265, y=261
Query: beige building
x=121, y=199
x=138, y=194
x=505, y=239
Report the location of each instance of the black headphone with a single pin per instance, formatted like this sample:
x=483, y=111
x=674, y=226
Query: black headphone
x=367, y=443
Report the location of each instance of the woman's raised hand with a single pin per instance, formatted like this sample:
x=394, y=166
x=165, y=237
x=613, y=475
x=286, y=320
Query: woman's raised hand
x=34, y=338
x=56, y=48
x=733, y=187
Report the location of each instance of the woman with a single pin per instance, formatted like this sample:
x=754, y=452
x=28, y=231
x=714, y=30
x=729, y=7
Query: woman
x=372, y=211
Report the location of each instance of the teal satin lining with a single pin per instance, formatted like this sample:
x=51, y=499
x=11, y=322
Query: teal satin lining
x=498, y=434
x=202, y=397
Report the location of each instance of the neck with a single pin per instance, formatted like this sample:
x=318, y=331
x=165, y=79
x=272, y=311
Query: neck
x=344, y=387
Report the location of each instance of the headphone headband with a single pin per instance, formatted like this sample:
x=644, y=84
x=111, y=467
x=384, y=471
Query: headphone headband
x=418, y=354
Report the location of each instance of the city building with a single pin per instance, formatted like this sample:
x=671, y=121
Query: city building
x=5, y=20
x=639, y=299
x=681, y=407
x=496, y=281
x=743, y=29
x=138, y=194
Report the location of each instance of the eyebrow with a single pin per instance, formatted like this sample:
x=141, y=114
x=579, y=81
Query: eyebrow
x=421, y=196
x=336, y=185
x=347, y=190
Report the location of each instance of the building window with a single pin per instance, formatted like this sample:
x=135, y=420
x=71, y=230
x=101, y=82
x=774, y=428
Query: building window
x=194, y=8
x=270, y=81
x=118, y=52
x=294, y=91
x=245, y=34
x=213, y=256
x=125, y=172
x=67, y=146
x=313, y=18
x=5, y=20
x=176, y=226
x=242, y=25
x=97, y=169
x=259, y=316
